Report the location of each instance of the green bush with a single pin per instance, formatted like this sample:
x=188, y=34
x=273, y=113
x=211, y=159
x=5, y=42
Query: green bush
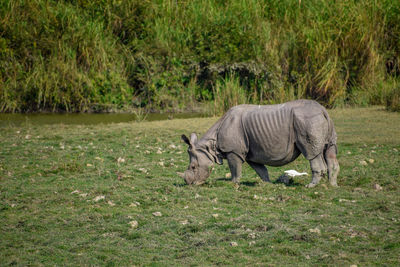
x=76, y=54
x=55, y=58
x=393, y=100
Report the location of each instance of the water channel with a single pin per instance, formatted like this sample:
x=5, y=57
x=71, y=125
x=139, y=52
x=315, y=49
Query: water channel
x=7, y=119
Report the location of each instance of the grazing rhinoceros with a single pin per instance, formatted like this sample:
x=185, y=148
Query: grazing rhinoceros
x=272, y=135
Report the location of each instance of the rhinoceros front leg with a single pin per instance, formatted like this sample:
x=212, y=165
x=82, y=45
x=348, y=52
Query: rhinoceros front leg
x=261, y=170
x=318, y=168
x=235, y=165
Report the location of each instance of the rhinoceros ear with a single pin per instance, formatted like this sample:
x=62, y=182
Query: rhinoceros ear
x=192, y=141
x=193, y=138
x=185, y=139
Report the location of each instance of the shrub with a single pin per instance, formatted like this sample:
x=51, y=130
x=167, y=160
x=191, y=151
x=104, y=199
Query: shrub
x=393, y=100
x=71, y=55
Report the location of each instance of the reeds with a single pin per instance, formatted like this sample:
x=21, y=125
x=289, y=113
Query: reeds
x=228, y=93
x=71, y=55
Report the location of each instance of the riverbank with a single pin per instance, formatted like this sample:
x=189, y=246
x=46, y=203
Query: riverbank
x=36, y=119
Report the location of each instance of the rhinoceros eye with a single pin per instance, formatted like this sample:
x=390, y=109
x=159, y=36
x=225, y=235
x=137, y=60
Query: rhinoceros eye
x=193, y=163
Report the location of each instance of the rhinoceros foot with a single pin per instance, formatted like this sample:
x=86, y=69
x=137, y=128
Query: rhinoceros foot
x=311, y=185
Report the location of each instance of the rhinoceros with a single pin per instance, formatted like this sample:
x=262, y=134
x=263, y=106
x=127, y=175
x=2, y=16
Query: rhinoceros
x=260, y=135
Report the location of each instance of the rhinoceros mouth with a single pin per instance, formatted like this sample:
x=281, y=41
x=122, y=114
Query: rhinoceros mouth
x=196, y=177
x=188, y=176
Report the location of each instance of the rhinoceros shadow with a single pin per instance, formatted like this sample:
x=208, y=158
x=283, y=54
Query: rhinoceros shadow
x=245, y=183
x=291, y=184
x=180, y=184
x=248, y=183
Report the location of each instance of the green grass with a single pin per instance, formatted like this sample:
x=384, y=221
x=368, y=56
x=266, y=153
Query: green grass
x=45, y=221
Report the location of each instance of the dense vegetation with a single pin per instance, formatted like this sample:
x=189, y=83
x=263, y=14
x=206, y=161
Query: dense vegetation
x=80, y=55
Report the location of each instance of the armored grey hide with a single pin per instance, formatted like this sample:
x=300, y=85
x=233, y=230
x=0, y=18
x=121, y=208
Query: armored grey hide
x=271, y=135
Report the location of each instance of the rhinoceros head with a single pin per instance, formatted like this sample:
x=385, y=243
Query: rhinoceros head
x=199, y=162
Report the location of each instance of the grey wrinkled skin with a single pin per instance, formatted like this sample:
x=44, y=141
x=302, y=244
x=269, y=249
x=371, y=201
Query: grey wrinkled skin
x=272, y=135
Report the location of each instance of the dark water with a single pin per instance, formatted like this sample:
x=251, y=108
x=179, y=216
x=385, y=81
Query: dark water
x=85, y=119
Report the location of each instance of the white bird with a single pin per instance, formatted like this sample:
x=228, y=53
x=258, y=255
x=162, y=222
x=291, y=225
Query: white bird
x=293, y=173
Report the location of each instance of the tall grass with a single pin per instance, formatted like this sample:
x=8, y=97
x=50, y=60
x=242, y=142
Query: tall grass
x=55, y=58
x=228, y=93
x=71, y=55
x=393, y=97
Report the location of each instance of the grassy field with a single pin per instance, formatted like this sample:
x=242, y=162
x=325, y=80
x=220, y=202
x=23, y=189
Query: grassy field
x=89, y=195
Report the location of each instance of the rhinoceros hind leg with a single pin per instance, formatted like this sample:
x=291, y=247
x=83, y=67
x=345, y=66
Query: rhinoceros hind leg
x=261, y=170
x=318, y=168
x=235, y=165
x=333, y=165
